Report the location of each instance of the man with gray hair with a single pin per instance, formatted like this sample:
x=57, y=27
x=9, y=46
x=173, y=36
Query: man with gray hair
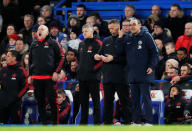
x=46, y=12
x=186, y=39
x=27, y=30
x=89, y=74
x=142, y=57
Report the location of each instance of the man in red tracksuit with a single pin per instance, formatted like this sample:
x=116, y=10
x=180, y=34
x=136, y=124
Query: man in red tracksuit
x=45, y=62
x=13, y=83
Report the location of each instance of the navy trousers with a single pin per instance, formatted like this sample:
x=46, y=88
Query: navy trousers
x=141, y=95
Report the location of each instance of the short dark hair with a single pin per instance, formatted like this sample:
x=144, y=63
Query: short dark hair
x=96, y=14
x=72, y=50
x=187, y=65
x=81, y=6
x=177, y=5
x=14, y=53
x=183, y=49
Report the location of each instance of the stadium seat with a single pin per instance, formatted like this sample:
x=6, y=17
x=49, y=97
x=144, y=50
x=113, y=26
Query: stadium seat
x=70, y=96
x=29, y=110
x=157, y=98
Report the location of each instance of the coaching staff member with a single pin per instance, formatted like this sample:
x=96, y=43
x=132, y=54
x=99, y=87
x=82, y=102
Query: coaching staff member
x=142, y=57
x=88, y=73
x=45, y=62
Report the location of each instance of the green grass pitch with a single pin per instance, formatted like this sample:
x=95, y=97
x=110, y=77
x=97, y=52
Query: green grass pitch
x=97, y=128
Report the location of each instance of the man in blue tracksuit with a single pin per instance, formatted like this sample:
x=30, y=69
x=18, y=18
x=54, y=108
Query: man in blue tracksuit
x=142, y=57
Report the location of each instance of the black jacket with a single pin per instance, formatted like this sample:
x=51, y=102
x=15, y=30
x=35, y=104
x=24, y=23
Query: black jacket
x=45, y=57
x=174, y=108
x=88, y=68
x=114, y=71
x=141, y=53
x=13, y=81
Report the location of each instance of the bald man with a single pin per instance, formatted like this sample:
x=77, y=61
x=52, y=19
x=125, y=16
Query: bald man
x=45, y=62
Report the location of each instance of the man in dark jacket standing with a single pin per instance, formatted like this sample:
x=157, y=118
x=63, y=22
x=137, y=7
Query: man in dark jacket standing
x=88, y=73
x=142, y=57
x=13, y=82
x=45, y=62
x=114, y=75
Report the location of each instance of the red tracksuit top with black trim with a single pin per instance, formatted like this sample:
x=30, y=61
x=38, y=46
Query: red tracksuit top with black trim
x=88, y=68
x=45, y=58
x=13, y=81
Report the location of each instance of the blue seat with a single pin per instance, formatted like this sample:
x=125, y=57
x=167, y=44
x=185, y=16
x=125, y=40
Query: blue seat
x=157, y=98
x=29, y=110
x=70, y=96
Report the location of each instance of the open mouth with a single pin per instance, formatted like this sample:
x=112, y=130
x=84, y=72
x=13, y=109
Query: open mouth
x=40, y=34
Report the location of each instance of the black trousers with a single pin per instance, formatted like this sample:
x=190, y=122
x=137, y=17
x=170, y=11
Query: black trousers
x=11, y=113
x=46, y=88
x=123, y=94
x=85, y=89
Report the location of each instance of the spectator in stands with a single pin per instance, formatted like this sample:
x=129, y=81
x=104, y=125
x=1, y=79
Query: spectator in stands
x=10, y=98
x=11, y=14
x=156, y=10
x=54, y=29
x=70, y=56
x=46, y=12
x=89, y=77
x=114, y=77
x=21, y=47
x=103, y=25
x=45, y=52
x=73, y=23
x=27, y=30
x=74, y=41
x=41, y=20
x=126, y=26
x=172, y=72
x=12, y=42
x=142, y=57
x=185, y=70
x=175, y=21
x=91, y=20
x=161, y=33
x=32, y=6
x=184, y=76
x=170, y=51
x=11, y=29
x=186, y=39
x=170, y=63
x=130, y=11
x=150, y=22
x=25, y=62
x=175, y=106
x=3, y=61
x=182, y=56
x=81, y=14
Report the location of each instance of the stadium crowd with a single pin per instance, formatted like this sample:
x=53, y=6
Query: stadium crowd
x=123, y=56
